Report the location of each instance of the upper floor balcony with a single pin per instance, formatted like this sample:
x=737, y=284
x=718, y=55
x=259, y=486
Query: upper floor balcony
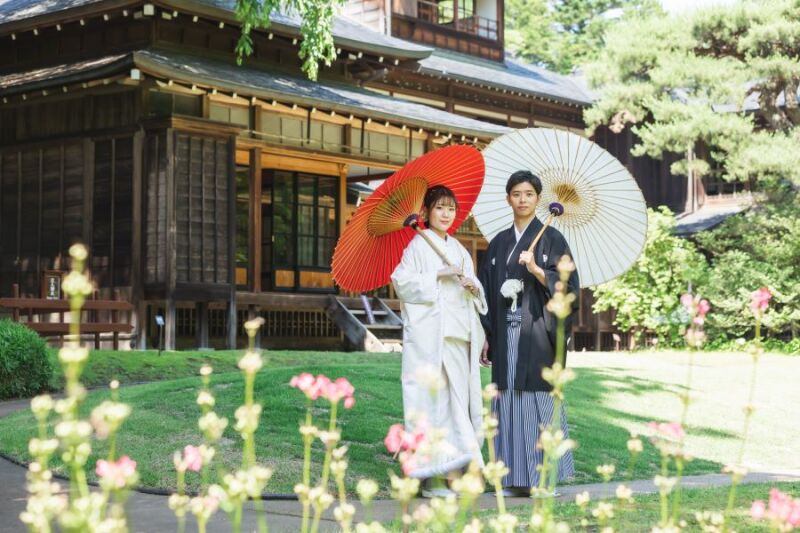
x=472, y=27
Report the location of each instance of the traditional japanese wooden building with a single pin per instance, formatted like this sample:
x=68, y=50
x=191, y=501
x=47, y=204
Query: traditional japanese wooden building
x=209, y=192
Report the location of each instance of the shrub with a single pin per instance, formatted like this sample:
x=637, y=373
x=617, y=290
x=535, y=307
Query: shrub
x=25, y=369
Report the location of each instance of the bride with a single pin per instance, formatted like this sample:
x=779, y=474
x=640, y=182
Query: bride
x=442, y=336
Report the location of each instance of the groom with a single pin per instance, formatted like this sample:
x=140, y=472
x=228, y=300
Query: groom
x=521, y=333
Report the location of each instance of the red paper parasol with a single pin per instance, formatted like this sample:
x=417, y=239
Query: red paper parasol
x=373, y=242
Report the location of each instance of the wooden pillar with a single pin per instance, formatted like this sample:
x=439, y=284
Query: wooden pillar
x=88, y=192
x=500, y=21
x=232, y=329
x=455, y=14
x=201, y=321
x=169, y=324
x=137, y=280
x=342, y=197
x=171, y=273
x=254, y=268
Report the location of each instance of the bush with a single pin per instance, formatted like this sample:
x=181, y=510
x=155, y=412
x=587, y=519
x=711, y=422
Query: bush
x=25, y=369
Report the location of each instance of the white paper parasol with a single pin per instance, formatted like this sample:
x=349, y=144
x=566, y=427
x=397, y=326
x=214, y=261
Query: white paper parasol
x=604, y=215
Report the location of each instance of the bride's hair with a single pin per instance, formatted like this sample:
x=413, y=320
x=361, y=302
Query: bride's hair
x=438, y=194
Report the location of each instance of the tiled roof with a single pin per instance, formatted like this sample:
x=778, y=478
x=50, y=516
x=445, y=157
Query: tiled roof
x=251, y=81
x=707, y=217
x=346, y=33
x=511, y=74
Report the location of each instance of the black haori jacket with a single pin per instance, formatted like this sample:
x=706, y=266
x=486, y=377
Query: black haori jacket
x=537, y=343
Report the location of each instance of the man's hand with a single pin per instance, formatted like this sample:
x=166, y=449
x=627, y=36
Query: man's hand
x=526, y=258
x=485, y=355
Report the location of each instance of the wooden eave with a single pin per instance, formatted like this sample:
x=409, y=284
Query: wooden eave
x=114, y=8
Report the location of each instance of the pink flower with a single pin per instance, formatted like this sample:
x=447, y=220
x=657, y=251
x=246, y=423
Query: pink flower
x=117, y=474
x=323, y=387
x=703, y=307
x=781, y=510
x=320, y=386
x=408, y=463
x=669, y=430
x=757, y=510
x=394, y=438
x=193, y=458
x=304, y=382
x=687, y=300
x=759, y=300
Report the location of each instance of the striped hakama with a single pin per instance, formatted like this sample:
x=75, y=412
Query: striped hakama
x=520, y=415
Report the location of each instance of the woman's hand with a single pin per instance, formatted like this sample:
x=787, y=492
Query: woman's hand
x=469, y=284
x=450, y=270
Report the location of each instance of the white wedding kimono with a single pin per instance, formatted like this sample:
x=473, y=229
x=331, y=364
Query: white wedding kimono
x=442, y=332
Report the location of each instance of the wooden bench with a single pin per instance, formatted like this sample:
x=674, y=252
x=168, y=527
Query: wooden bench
x=30, y=307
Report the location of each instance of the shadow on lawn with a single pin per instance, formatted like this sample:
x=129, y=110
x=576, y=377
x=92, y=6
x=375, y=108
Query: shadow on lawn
x=601, y=429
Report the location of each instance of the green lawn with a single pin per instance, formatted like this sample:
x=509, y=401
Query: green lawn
x=645, y=513
x=165, y=414
x=143, y=366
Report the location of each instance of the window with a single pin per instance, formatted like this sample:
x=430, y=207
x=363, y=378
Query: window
x=304, y=229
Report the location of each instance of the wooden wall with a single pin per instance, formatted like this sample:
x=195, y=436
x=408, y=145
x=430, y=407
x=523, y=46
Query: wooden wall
x=202, y=183
x=155, y=213
x=58, y=193
x=41, y=210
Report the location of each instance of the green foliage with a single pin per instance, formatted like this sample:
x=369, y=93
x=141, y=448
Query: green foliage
x=316, y=28
x=24, y=366
x=758, y=248
x=564, y=34
x=647, y=296
x=715, y=77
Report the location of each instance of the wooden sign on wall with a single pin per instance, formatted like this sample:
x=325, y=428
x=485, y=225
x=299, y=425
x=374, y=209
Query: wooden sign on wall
x=51, y=284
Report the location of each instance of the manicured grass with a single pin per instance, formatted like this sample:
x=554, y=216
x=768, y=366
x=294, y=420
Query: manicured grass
x=144, y=366
x=645, y=512
x=164, y=420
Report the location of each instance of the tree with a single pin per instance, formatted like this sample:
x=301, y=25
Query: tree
x=717, y=78
x=316, y=28
x=758, y=248
x=647, y=296
x=564, y=34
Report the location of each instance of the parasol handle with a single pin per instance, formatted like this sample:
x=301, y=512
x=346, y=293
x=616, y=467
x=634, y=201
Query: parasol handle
x=556, y=210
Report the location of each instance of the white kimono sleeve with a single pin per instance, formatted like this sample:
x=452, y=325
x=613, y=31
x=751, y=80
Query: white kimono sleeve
x=469, y=272
x=412, y=282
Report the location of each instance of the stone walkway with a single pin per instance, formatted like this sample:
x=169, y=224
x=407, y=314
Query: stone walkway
x=149, y=513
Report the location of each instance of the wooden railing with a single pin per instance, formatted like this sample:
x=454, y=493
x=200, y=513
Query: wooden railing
x=468, y=22
x=41, y=308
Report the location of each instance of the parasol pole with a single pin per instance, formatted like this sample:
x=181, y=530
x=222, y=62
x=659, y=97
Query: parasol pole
x=412, y=221
x=556, y=210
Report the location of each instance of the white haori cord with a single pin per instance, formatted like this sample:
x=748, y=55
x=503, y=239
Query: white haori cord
x=511, y=289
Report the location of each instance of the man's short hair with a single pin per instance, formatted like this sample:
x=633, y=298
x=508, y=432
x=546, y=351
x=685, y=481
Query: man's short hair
x=522, y=176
